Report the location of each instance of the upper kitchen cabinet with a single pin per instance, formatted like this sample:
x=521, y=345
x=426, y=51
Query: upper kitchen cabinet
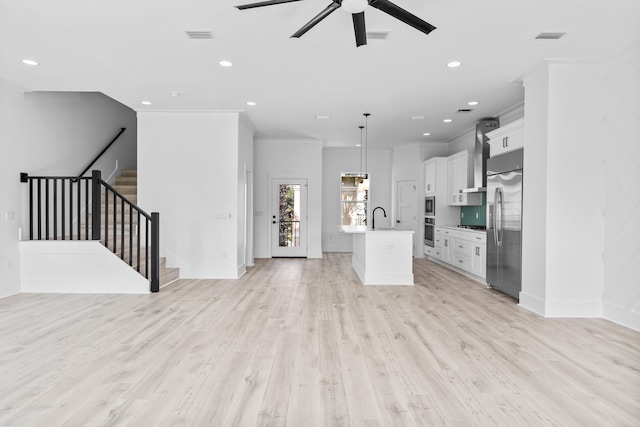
x=506, y=138
x=460, y=177
x=430, y=176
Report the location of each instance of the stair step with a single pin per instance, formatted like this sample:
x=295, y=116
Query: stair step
x=168, y=275
x=126, y=180
x=133, y=198
x=129, y=172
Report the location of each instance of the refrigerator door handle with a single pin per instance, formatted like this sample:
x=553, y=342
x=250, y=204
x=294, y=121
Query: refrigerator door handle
x=494, y=217
x=498, y=216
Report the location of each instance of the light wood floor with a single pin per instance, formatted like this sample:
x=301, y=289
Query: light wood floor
x=303, y=343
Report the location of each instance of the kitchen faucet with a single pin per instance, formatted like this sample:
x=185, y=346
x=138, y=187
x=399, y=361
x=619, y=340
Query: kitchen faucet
x=373, y=216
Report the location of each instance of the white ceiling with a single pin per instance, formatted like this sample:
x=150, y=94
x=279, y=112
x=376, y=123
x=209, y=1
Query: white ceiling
x=138, y=50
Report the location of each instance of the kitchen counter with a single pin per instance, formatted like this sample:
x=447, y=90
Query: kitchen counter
x=383, y=256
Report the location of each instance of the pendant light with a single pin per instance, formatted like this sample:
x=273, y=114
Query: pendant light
x=360, y=184
x=365, y=182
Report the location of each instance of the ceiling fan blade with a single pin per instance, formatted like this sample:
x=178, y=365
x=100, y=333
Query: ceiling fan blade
x=399, y=13
x=319, y=17
x=263, y=3
x=359, y=28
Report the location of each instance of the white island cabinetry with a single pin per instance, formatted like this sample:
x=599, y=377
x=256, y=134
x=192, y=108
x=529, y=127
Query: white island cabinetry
x=383, y=257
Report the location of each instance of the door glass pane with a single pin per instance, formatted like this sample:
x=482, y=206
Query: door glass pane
x=289, y=215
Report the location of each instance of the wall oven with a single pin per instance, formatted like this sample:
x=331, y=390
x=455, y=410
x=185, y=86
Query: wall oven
x=429, y=231
x=430, y=206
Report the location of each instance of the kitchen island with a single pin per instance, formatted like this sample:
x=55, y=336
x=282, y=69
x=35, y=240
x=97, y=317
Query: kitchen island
x=383, y=256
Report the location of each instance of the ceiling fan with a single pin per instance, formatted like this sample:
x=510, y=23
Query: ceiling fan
x=356, y=8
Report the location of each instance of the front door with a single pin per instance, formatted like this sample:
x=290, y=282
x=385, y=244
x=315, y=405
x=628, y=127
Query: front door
x=289, y=218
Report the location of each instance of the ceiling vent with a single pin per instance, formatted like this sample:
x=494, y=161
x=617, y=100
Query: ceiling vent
x=378, y=35
x=465, y=110
x=550, y=36
x=199, y=34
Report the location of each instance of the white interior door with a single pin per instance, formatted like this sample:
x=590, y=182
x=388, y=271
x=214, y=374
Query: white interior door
x=406, y=206
x=289, y=218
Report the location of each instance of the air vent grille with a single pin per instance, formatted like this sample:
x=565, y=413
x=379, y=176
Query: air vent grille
x=199, y=34
x=378, y=35
x=549, y=36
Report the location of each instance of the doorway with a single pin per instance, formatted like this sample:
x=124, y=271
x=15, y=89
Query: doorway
x=289, y=218
x=406, y=207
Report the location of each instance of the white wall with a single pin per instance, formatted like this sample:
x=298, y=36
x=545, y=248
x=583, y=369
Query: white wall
x=245, y=195
x=84, y=267
x=188, y=172
x=302, y=159
x=50, y=133
x=572, y=187
x=344, y=160
x=621, y=143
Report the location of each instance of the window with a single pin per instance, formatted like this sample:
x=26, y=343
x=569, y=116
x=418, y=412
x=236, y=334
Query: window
x=354, y=196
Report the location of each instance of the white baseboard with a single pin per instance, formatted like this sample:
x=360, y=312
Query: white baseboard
x=531, y=303
x=621, y=315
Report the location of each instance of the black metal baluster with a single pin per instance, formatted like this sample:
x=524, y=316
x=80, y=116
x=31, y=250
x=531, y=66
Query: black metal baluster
x=46, y=207
x=122, y=228
x=62, y=208
x=79, y=207
x=146, y=249
x=138, y=242
x=55, y=209
x=30, y=209
x=130, y=236
x=70, y=209
x=39, y=210
x=86, y=209
x=115, y=224
x=106, y=217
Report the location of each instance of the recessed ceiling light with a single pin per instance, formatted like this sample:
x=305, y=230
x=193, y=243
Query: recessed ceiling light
x=30, y=62
x=454, y=64
x=472, y=103
x=426, y=134
x=417, y=117
x=358, y=145
x=145, y=103
x=251, y=103
x=174, y=94
x=225, y=63
x=323, y=117
x=447, y=120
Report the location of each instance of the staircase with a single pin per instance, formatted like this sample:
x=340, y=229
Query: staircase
x=127, y=185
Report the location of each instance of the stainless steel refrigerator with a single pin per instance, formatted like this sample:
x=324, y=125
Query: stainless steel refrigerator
x=504, y=222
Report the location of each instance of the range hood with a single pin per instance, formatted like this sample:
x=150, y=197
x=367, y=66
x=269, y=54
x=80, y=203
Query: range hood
x=481, y=155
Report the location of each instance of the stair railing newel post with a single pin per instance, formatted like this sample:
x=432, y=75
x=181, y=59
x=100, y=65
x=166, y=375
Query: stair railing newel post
x=96, y=195
x=155, y=251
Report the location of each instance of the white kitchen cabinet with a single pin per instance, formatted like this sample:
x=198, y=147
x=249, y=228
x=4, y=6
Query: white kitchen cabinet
x=430, y=176
x=506, y=138
x=465, y=249
x=459, y=177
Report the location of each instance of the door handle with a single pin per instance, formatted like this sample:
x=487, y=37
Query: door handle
x=398, y=221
